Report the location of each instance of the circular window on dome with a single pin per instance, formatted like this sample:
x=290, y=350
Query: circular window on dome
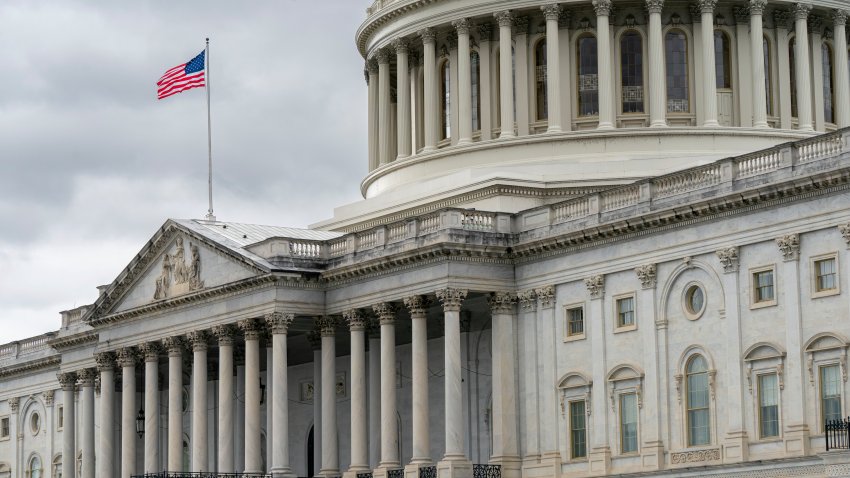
x=694, y=301
x=35, y=423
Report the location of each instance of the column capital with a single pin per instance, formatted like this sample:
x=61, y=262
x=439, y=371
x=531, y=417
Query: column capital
x=815, y=25
x=105, y=361
x=87, y=376
x=545, y=296
x=801, y=10
x=13, y=404
x=252, y=329
x=654, y=6
x=742, y=15
x=417, y=305
x=551, y=12
x=844, y=230
x=383, y=56
x=225, y=333
x=427, y=35
x=150, y=351
x=789, y=246
x=174, y=346
x=385, y=312
x=485, y=32
x=595, y=286
x=67, y=380
x=603, y=7
x=707, y=6
x=372, y=66
x=504, y=18
x=501, y=302
x=839, y=18
x=527, y=299
x=782, y=18
x=462, y=26
x=757, y=7
x=127, y=357
x=199, y=340
x=451, y=298
x=315, y=339
x=326, y=325
x=48, y=396
x=373, y=328
x=646, y=275
x=401, y=46
x=356, y=320
x=728, y=259
x=564, y=18
x=521, y=25
x=279, y=322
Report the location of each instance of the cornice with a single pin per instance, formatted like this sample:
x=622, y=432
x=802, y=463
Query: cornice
x=30, y=366
x=71, y=341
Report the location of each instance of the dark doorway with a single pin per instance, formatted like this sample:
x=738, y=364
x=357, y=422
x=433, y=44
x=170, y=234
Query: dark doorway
x=310, y=465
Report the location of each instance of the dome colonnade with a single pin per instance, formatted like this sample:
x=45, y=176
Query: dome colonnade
x=557, y=68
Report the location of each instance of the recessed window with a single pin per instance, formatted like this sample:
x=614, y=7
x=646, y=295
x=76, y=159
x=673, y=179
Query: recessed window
x=631, y=72
x=676, y=57
x=825, y=275
x=694, y=301
x=625, y=311
x=763, y=287
x=60, y=417
x=575, y=321
x=628, y=423
x=699, y=414
x=768, y=396
x=578, y=430
x=35, y=423
x=588, y=76
x=185, y=400
x=830, y=392
x=4, y=428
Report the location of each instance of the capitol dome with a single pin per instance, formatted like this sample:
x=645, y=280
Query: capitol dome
x=601, y=93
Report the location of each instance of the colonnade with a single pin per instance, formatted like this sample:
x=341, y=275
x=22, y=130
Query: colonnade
x=390, y=140
x=277, y=325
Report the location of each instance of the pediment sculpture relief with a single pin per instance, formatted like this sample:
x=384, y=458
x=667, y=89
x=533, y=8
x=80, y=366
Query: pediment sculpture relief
x=179, y=277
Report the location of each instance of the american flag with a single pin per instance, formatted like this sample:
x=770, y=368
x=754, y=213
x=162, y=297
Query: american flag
x=182, y=77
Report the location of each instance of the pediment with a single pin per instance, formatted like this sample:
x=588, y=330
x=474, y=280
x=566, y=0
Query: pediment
x=825, y=341
x=763, y=351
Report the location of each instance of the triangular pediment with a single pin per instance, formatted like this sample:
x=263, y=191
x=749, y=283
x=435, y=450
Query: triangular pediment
x=176, y=262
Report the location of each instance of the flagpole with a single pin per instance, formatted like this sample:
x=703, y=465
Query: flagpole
x=210, y=216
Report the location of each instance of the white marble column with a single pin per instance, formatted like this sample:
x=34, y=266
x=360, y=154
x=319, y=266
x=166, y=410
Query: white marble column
x=403, y=129
x=743, y=89
x=546, y=360
x=506, y=76
x=106, y=443
x=87, y=446
x=68, y=381
x=330, y=439
x=652, y=444
x=803, y=67
x=150, y=352
x=485, y=118
x=225, y=335
x=389, y=429
x=174, y=347
x=553, y=67
x=417, y=306
x=816, y=61
x=709, y=70
x=429, y=63
x=606, y=75
x=464, y=75
x=127, y=361
x=384, y=106
x=521, y=75
x=505, y=442
x=783, y=24
x=527, y=361
x=251, y=329
x=200, y=459
x=599, y=326
x=757, y=55
x=454, y=462
x=372, y=80
x=374, y=333
x=842, y=71
x=315, y=339
x=279, y=324
x=657, y=77
x=359, y=433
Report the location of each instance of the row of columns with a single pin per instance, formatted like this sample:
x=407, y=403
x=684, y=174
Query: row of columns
x=378, y=77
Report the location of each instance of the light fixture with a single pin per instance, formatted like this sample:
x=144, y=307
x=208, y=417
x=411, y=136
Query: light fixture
x=140, y=423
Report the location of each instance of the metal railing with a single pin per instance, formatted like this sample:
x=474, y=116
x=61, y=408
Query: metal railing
x=837, y=433
x=201, y=474
x=486, y=471
x=428, y=472
x=365, y=475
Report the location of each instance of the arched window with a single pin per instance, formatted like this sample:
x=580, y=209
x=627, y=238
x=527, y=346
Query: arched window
x=445, y=103
x=34, y=468
x=768, y=84
x=676, y=50
x=540, y=74
x=187, y=456
x=699, y=415
x=722, y=59
x=792, y=46
x=828, y=85
x=57, y=467
x=475, y=66
x=588, y=76
x=631, y=62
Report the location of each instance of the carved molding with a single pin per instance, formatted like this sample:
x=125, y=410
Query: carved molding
x=647, y=275
x=742, y=15
x=225, y=333
x=86, y=377
x=527, y=299
x=150, y=351
x=595, y=286
x=401, y=46
x=67, y=381
x=176, y=276
x=782, y=19
x=326, y=325
x=485, y=32
x=105, y=361
x=789, y=246
x=552, y=12
x=252, y=329
x=602, y=7
x=707, y=6
x=451, y=298
x=654, y=6
x=757, y=7
x=504, y=19
x=417, y=305
x=14, y=402
x=127, y=357
x=844, y=229
x=427, y=35
x=462, y=26
x=545, y=296
x=728, y=259
x=383, y=56
x=801, y=10
x=279, y=322
x=356, y=320
x=839, y=18
x=174, y=346
x=386, y=313
x=501, y=302
x=315, y=339
x=198, y=340
x=48, y=396
x=695, y=456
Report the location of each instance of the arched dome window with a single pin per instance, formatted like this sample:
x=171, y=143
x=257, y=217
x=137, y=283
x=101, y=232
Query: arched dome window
x=475, y=74
x=699, y=414
x=631, y=73
x=445, y=100
x=676, y=50
x=540, y=78
x=828, y=84
x=588, y=76
x=792, y=46
x=722, y=60
x=768, y=80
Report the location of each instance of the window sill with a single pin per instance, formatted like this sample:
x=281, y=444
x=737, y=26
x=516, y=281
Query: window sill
x=625, y=328
x=574, y=338
x=826, y=293
x=768, y=440
x=763, y=304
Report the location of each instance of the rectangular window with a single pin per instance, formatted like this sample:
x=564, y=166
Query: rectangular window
x=578, y=430
x=768, y=406
x=626, y=312
x=4, y=427
x=763, y=287
x=699, y=432
x=60, y=417
x=830, y=392
x=825, y=278
x=575, y=321
x=628, y=423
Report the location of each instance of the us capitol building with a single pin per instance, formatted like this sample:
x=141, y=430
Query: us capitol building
x=597, y=238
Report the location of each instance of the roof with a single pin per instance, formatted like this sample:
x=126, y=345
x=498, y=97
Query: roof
x=243, y=235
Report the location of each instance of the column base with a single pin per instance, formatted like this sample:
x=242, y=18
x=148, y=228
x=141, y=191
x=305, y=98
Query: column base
x=546, y=466
x=411, y=470
x=711, y=124
x=464, y=141
x=554, y=130
x=383, y=469
x=797, y=440
x=353, y=472
x=761, y=125
x=599, y=461
x=736, y=447
x=511, y=465
x=327, y=473
x=402, y=156
x=429, y=149
x=457, y=466
x=659, y=124
x=505, y=135
x=282, y=473
x=605, y=125
x=652, y=455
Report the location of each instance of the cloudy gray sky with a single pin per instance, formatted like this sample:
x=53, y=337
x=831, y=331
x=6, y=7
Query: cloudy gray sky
x=91, y=164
